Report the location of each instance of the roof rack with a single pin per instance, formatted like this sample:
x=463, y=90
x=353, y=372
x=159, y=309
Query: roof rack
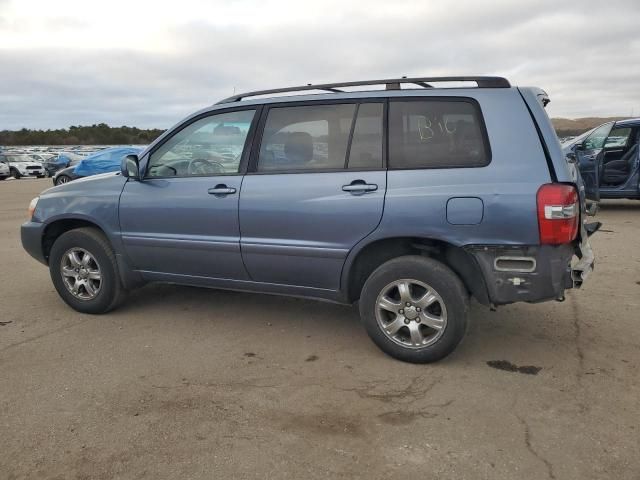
x=390, y=84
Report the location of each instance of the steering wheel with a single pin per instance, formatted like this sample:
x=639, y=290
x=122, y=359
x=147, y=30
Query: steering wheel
x=200, y=166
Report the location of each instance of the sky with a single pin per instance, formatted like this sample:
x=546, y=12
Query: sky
x=150, y=63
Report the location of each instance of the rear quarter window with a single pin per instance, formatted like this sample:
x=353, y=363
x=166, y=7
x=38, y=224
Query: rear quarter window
x=437, y=133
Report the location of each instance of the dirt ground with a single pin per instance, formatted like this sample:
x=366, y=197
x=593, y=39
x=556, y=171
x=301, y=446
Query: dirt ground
x=202, y=384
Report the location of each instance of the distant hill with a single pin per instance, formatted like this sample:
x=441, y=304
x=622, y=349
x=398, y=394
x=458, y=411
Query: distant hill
x=567, y=126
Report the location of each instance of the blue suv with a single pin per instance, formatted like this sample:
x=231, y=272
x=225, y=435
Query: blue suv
x=407, y=200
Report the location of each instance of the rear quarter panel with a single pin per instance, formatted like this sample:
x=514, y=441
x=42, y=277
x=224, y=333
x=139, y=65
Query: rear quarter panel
x=416, y=199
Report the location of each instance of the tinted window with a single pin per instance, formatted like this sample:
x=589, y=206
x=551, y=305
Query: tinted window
x=209, y=146
x=366, y=146
x=436, y=134
x=306, y=138
x=618, y=138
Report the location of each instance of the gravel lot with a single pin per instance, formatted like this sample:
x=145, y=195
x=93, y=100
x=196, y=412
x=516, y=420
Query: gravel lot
x=194, y=383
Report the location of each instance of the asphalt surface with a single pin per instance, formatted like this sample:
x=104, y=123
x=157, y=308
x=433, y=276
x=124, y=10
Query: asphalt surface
x=193, y=383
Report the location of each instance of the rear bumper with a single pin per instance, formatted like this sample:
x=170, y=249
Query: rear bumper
x=535, y=273
x=31, y=236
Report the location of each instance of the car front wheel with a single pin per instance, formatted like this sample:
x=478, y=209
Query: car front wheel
x=84, y=271
x=15, y=173
x=415, y=309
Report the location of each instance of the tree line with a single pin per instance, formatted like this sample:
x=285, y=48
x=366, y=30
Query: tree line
x=100, y=134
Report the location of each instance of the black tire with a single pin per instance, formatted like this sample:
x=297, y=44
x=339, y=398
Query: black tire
x=15, y=173
x=62, y=179
x=3, y=178
x=111, y=293
x=441, y=279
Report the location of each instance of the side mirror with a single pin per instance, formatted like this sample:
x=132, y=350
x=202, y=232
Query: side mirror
x=130, y=167
x=572, y=158
x=578, y=146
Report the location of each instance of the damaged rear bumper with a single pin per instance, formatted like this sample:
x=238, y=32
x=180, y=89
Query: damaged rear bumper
x=532, y=273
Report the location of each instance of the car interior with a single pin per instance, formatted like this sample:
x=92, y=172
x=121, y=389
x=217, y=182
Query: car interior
x=618, y=163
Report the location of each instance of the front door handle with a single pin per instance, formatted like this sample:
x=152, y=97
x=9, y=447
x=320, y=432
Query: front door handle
x=220, y=190
x=358, y=187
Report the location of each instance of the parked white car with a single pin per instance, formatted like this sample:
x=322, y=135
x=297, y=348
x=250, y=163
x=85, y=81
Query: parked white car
x=21, y=165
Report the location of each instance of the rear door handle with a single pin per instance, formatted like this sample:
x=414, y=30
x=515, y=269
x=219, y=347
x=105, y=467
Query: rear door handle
x=221, y=189
x=359, y=187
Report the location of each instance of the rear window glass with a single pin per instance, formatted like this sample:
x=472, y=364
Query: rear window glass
x=436, y=134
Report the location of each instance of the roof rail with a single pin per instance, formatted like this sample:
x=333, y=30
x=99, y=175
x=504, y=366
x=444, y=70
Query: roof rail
x=390, y=84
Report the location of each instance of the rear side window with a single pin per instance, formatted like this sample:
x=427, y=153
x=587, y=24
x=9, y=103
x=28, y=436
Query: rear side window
x=306, y=138
x=436, y=133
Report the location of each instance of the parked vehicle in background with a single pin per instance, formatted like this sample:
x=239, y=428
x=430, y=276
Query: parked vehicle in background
x=608, y=160
x=406, y=201
x=4, y=170
x=41, y=157
x=60, y=161
x=22, y=165
x=104, y=161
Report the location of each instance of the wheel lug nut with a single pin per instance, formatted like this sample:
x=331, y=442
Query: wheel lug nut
x=401, y=311
x=418, y=309
x=418, y=320
x=406, y=321
x=408, y=304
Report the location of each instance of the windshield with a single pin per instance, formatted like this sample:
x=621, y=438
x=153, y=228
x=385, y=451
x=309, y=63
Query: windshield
x=19, y=158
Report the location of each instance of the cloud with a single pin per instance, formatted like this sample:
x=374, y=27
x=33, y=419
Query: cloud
x=585, y=56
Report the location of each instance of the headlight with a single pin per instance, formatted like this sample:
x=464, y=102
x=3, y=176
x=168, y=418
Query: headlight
x=32, y=207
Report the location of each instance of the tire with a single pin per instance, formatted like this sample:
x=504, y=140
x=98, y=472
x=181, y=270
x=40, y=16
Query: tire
x=446, y=307
x=62, y=179
x=15, y=174
x=108, y=292
x=3, y=178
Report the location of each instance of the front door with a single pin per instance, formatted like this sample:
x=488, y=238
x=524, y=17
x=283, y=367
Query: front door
x=317, y=189
x=181, y=220
x=590, y=156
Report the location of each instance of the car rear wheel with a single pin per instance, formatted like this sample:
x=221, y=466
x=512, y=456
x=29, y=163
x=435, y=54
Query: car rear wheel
x=84, y=271
x=15, y=173
x=62, y=179
x=415, y=309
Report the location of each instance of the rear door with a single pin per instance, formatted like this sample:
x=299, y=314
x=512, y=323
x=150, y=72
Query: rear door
x=590, y=157
x=317, y=188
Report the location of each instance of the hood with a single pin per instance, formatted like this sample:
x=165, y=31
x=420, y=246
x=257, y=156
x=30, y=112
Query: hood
x=26, y=164
x=113, y=181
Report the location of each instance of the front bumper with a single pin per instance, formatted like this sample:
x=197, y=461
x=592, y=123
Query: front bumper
x=534, y=273
x=31, y=236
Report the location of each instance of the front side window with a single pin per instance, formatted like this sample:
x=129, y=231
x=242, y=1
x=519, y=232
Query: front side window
x=306, y=138
x=436, y=134
x=210, y=146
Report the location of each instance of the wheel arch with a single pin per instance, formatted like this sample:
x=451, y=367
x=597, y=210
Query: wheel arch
x=54, y=229
x=363, y=261
x=129, y=277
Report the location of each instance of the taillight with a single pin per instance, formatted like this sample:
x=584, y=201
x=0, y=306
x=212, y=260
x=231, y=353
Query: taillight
x=558, y=213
